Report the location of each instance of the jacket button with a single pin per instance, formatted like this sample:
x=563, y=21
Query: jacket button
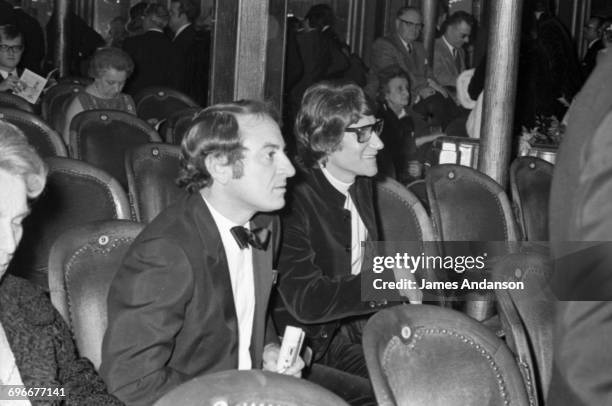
x=324, y=334
x=372, y=304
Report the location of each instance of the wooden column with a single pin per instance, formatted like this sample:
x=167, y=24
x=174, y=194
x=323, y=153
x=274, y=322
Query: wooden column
x=275, y=54
x=498, y=106
x=239, y=51
x=429, y=9
x=500, y=89
x=61, y=45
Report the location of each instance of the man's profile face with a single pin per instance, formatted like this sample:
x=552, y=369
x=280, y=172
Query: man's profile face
x=265, y=167
x=409, y=25
x=458, y=34
x=10, y=52
x=592, y=30
x=354, y=158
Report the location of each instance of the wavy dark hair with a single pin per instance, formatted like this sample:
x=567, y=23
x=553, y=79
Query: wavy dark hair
x=327, y=109
x=215, y=132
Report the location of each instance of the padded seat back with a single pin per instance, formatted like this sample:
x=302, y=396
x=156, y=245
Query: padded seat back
x=154, y=104
x=55, y=104
x=76, y=193
x=82, y=265
x=11, y=101
x=253, y=387
x=176, y=126
x=42, y=137
x=152, y=170
x=427, y=355
x=530, y=181
x=101, y=138
x=467, y=205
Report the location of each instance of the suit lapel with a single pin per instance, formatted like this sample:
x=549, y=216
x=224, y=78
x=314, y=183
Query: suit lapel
x=262, y=276
x=215, y=260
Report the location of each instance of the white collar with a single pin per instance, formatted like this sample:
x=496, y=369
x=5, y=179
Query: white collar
x=592, y=42
x=449, y=46
x=222, y=221
x=181, y=29
x=156, y=30
x=406, y=45
x=5, y=73
x=340, y=186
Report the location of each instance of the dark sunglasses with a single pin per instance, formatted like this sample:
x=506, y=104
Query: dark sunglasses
x=364, y=133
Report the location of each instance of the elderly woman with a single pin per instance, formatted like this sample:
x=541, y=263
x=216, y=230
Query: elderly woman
x=401, y=154
x=110, y=68
x=36, y=347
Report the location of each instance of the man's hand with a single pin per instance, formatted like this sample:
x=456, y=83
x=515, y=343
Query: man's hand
x=270, y=361
x=12, y=83
x=437, y=87
x=426, y=92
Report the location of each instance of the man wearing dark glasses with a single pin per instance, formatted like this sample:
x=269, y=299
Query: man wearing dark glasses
x=331, y=212
x=11, y=49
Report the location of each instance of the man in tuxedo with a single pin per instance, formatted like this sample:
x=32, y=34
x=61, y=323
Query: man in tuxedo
x=33, y=37
x=192, y=293
x=449, y=55
x=152, y=52
x=11, y=49
x=592, y=35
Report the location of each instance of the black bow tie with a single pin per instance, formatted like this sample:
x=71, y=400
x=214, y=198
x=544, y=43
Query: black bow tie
x=258, y=238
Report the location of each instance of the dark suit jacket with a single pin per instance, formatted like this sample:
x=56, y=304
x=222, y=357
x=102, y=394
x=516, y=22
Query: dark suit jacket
x=315, y=281
x=171, y=309
x=34, y=41
x=389, y=51
x=590, y=58
x=43, y=348
x=445, y=68
x=183, y=46
x=580, y=210
x=155, y=61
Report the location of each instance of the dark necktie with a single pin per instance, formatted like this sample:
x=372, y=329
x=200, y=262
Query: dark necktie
x=457, y=59
x=257, y=238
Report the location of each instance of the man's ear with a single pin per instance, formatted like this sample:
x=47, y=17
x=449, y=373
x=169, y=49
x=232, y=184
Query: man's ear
x=218, y=168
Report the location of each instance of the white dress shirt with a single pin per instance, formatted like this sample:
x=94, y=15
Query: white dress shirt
x=5, y=74
x=240, y=264
x=9, y=374
x=359, y=232
x=178, y=32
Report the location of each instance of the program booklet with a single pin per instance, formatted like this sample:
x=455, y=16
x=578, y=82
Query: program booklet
x=33, y=85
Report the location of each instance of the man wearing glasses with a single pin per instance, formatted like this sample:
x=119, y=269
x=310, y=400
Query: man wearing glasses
x=404, y=50
x=11, y=49
x=330, y=213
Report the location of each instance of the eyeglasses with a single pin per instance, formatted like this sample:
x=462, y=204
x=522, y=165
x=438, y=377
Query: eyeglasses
x=410, y=24
x=364, y=133
x=13, y=48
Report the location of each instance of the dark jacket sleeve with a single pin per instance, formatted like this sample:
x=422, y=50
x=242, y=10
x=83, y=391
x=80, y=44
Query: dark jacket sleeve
x=307, y=292
x=146, y=305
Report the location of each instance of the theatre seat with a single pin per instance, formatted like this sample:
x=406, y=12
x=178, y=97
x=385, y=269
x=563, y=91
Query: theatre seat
x=527, y=316
x=42, y=137
x=82, y=264
x=175, y=127
x=101, y=138
x=154, y=104
x=11, y=101
x=467, y=205
x=428, y=355
x=152, y=170
x=55, y=104
x=401, y=217
x=530, y=181
x=76, y=193
x=253, y=387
